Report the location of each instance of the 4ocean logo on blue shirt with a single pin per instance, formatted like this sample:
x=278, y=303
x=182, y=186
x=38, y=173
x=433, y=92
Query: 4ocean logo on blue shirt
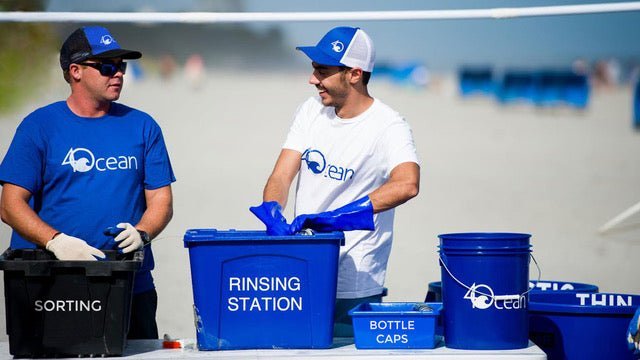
x=317, y=163
x=83, y=160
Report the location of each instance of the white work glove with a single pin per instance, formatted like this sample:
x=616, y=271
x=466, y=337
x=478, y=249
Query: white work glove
x=129, y=239
x=66, y=247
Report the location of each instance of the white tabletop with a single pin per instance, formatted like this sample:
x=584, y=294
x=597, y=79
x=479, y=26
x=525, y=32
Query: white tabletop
x=343, y=348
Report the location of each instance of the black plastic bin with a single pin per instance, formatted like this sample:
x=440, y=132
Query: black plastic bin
x=67, y=308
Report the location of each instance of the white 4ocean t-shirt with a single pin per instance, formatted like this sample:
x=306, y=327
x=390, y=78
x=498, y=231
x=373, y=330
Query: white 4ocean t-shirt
x=343, y=160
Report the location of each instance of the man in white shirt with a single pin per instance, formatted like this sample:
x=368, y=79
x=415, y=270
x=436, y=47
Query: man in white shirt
x=352, y=153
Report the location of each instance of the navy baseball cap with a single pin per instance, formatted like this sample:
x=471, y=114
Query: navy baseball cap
x=92, y=42
x=343, y=46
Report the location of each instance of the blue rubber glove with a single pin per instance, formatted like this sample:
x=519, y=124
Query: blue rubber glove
x=357, y=215
x=270, y=213
x=633, y=333
x=113, y=232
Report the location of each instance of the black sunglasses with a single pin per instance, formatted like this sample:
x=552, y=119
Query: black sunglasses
x=108, y=69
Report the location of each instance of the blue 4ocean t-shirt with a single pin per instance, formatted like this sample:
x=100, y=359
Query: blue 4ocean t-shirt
x=86, y=174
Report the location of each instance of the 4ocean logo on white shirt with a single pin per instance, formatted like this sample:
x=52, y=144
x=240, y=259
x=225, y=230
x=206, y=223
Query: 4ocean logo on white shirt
x=317, y=163
x=83, y=160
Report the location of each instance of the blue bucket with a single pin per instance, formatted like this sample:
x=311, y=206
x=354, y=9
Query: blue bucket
x=582, y=325
x=485, y=278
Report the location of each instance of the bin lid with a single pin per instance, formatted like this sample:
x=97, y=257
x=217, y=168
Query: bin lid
x=193, y=236
x=583, y=303
x=39, y=262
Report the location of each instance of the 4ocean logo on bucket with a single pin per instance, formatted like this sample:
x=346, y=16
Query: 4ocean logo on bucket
x=482, y=297
x=83, y=160
x=317, y=163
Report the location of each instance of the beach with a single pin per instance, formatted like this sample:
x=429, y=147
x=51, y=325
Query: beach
x=555, y=173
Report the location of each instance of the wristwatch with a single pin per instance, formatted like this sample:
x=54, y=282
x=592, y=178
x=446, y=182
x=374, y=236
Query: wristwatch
x=144, y=236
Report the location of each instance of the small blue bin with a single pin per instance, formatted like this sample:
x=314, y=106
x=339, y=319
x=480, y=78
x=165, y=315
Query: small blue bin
x=395, y=325
x=254, y=291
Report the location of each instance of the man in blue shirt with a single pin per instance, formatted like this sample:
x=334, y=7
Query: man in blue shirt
x=78, y=166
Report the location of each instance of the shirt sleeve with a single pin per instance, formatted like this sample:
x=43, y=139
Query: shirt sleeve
x=24, y=162
x=296, y=138
x=157, y=166
x=398, y=145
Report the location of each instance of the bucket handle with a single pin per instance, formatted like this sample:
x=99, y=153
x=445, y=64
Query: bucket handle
x=496, y=297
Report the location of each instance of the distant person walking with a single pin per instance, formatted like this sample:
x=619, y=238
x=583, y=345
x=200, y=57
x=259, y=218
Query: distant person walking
x=78, y=166
x=194, y=70
x=167, y=66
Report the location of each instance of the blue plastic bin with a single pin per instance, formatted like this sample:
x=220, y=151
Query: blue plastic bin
x=569, y=325
x=254, y=291
x=395, y=325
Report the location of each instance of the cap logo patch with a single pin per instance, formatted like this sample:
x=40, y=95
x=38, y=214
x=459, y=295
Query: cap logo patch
x=106, y=40
x=337, y=46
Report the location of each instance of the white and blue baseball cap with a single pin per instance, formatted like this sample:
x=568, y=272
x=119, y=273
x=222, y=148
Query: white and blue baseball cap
x=92, y=42
x=343, y=46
